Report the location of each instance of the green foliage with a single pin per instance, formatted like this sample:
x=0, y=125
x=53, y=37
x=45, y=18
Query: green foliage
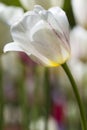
x=69, y=13
x=11, y=2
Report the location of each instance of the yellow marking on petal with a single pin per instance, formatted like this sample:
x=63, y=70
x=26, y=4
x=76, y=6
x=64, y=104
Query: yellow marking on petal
x=54, y=64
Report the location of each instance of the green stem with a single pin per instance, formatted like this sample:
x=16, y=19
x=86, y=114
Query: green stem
x=1, y=101
x=35, y=107
x=23, y=100
x=47, y=97
x=75, y=89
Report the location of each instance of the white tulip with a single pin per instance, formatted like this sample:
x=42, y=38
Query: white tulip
x=8, y=15
x=11, y=64
x=29, y=4
x=40, y=124
x=80, y=11
x=43, y=35
x=78, y=39
x=12, y=114
x=77, y=68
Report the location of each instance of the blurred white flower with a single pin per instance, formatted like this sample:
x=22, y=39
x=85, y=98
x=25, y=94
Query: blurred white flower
x=11, y=65
x=12, y=114
x=80, y=11
x=40, y=124
x=8, y=15
x=29, y=4
x=43, y=35
x=78, y=39
x=77, y=69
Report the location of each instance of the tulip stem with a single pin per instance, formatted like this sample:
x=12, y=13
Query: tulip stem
x=1, y=101
x=77, y=95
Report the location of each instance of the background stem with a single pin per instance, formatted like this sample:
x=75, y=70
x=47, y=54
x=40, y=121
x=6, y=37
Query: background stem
x=75, y=89
x=23, y=101
x=1, y=100
x=47, y=96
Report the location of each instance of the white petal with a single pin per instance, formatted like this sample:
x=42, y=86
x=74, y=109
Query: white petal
x=39, y=26
x=12, y=47
x=57, y=20
x=28, y=20
x=61, y=19
x=47, y=43
x=38, y=8
x=21, y=29
x=48, y=17
x=41, y=59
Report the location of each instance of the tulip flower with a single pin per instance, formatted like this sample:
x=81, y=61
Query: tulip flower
x=78, y=39
x=40, y=124
x=7, y=67
x=29, y=4
x=80, y=11
x=8, y=14
x=43, y=35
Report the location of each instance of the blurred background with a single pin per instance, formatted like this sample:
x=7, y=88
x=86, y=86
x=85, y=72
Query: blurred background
x=30, y=93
